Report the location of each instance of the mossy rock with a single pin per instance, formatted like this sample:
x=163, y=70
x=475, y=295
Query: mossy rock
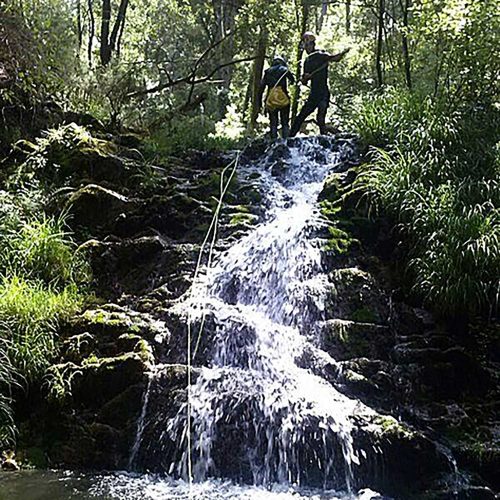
x=71, y=153
x=109, y=331
x=105, y=378
x=333, y=187
x=397, y=449
x=345, y=339
x=139, y=265
x=355, y=295
x=94, y=206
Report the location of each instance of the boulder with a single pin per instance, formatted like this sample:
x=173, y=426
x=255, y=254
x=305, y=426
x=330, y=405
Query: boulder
x=355, y=295
x=94, y=206
x=344, y=339
x=140, y=265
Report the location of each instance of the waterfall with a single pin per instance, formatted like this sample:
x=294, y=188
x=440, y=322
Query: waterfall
x=256, y=412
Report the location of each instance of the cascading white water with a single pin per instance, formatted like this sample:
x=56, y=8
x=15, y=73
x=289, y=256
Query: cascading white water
x=254, y=406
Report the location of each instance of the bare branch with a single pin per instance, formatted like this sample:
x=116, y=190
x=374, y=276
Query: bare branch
x=187, y=79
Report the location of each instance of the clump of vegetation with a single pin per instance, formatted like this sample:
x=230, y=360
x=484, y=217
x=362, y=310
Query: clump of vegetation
x=42, y=282
x=437, y=176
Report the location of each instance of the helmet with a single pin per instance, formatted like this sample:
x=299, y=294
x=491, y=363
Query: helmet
x=308, y=36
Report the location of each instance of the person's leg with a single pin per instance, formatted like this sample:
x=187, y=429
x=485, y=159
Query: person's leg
x=285, y=122
x=307, y=109
x=273, y=120
x=322, y=109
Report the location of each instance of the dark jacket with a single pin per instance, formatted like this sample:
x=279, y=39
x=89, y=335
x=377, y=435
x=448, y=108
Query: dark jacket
x=271, y=77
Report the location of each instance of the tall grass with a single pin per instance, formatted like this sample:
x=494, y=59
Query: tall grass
x=42, y=281
x=29, y=315
x=437, y=174
x=40, y=248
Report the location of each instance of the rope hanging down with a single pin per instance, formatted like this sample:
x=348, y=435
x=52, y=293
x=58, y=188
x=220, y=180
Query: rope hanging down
x=191, y=354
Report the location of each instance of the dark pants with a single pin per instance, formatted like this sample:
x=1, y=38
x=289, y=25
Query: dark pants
x=320, y=103
x=274, y=117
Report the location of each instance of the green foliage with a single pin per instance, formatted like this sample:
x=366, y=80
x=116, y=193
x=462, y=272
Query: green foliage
x=339, y=241
x=438, y=177
x=29, y=315
x=58, y=381
x=41, y=249
x=197, y=132
x=42, y=282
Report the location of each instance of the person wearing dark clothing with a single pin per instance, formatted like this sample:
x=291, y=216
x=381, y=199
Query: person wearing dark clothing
x=277, y=75
x=315, y=71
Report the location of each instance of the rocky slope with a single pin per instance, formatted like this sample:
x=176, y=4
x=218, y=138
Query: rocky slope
x=142, y=224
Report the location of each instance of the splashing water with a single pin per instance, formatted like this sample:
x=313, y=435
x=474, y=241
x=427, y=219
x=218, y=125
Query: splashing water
x=256, y=414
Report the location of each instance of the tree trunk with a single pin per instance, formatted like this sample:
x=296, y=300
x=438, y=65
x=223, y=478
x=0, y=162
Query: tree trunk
x=91, y=30
x=404, y=42
x=105, y=49
x=258, y=68
x=79, y=24
x=119, y=23
x=379, y=42
x=348, y=16
x=302, y=26
x=322, y=15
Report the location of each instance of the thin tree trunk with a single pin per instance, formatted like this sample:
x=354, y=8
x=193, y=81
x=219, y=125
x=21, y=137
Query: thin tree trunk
x=120, y=21
x=379, y=42
x=348, y=16
x=404, y=42
x=105, y=49
x=302, y=26
x=79, y=23
x=320, y=19
x=258, y=68
x=91, y=30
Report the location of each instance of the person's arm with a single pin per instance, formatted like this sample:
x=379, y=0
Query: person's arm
x=339, y=56
x=290, y=76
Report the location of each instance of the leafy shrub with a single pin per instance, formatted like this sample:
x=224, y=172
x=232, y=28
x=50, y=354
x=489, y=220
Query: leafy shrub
x=437, y=176
x=40, y=248
x=42, y=282
x=197, y=132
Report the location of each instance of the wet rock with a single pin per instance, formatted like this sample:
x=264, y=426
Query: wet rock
x=167, y=397
x=110, y=331
x=398, y=448
x=139, y=265
x=462, y=493
x=344, y=339
x=93, y=206
x=175, y=216
x=355, y=295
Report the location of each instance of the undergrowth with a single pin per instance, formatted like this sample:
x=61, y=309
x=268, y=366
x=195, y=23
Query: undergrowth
x=436, y=172
x=43, y=280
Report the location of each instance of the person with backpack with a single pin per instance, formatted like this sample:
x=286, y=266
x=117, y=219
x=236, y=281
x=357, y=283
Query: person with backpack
x=277, y=100
x=316, y=71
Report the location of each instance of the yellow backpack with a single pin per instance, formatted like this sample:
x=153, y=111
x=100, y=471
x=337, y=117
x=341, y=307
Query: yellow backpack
x=277, y=98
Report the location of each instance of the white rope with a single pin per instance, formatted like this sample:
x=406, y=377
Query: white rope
x=190, y=356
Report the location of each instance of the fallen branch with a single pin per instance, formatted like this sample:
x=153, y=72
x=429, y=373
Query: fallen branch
x=190, y=79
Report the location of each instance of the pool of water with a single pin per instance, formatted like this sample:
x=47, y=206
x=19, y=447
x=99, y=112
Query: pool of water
x=57, y=485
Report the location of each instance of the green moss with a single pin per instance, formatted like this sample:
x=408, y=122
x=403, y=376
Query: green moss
x=145, y=351
x=340, y=240
x=390, y=427
x=243, y=218
x=364, y=315
x=110, y=362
